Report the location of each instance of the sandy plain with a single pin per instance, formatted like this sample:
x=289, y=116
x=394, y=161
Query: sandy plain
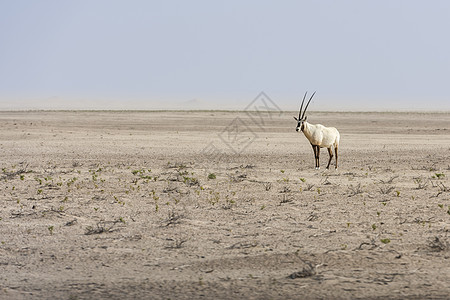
x=192, y=205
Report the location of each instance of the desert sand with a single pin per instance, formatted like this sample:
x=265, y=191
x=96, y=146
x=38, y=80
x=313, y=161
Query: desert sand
x=228, y=205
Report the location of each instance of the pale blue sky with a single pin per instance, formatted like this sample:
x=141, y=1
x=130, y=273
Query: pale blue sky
x=104, y=54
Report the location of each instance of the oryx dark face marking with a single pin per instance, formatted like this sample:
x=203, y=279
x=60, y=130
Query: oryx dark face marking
x=300, y=124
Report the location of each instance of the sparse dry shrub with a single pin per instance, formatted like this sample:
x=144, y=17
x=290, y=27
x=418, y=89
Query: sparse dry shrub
x=309, y=187
x=286, y=189
x=286, y=198
x=268, y=186
x=438, y=244
x=10, y=175
x=177, y=243
x=442, y=187
x=102, y=227
x=237, y=178
x=390, y=180
x=307, y=271
x=326, y=181
x=421, y=183
x=176, y=165
x=190, y=181
x=173, y=218
x=355, y=190
x=76, y=164
x=171, y=189
x=384, y=190
x=248, y=166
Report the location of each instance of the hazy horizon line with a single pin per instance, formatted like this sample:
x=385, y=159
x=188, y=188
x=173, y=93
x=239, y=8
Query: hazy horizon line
x=221, y=110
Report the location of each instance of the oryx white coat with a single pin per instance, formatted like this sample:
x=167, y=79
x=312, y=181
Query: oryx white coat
x=318, y=135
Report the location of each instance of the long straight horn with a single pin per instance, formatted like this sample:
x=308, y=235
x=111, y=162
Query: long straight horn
x=300, y=112
x=308, y=104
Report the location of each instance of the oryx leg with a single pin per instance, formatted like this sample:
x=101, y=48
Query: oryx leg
x=317, y=157
x=316, y=153
x=330, y=152
x=336, y=152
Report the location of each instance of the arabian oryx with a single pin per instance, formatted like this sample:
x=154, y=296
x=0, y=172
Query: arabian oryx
x=318, y=135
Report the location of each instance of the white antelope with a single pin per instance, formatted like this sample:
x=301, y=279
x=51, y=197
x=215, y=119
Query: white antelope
x=318, y=135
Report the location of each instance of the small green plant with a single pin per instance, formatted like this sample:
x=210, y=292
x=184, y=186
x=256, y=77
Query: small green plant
x=374, y=226
x=156, y=198
x=397, y=193
x=441, y=205
x=439, y=175
x=190, y=181
x=22, y=177
x=214, y=197
x=262, y=207
x=71, y=181
x=212, y=176
x=50, y=229
x=302, y=179
x=385, y=241
x=282, y=171
x=118, y=201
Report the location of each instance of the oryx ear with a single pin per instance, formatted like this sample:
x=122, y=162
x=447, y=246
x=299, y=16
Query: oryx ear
x=295, y=119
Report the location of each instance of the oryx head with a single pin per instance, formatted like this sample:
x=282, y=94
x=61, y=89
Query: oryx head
x=301, y=117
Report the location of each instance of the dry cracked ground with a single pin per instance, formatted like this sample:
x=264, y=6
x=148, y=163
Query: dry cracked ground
x=192, y=205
